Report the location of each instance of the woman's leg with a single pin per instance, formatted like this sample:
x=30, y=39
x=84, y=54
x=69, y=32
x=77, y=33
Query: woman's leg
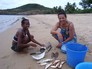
x=24, y=41
x=59, y=39
x=55, y=36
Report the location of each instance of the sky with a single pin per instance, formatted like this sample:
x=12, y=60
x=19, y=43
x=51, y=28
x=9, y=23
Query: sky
x=8, y=4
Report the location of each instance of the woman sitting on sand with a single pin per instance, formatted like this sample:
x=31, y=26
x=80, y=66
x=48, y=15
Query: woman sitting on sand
x=67, y=33
x=23, y=38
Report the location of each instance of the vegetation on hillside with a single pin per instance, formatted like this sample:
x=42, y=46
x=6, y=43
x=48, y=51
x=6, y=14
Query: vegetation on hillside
x=27, y=9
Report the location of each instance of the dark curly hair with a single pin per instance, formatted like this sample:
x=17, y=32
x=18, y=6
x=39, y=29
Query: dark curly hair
x=62, y=12
x=23, y=20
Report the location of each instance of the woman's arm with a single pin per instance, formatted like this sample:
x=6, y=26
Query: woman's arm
x=71, y=32
x=33, y=40
x=54, y=29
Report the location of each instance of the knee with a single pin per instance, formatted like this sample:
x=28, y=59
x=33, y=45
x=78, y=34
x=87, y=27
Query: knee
x=54, y=35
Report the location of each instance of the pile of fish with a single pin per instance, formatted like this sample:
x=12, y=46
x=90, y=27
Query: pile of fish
x=53, y=62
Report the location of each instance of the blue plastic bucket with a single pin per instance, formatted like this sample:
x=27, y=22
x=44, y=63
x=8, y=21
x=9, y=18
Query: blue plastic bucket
x=75, y=53
x=84, y=65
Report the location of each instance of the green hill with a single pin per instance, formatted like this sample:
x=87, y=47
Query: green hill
x=27, y=9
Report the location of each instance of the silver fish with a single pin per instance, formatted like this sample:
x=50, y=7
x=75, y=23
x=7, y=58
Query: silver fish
x=56, y=61
x=44, y=60
x=48, y=65
x=44, y=63
x=61, y=64
x=56, y=65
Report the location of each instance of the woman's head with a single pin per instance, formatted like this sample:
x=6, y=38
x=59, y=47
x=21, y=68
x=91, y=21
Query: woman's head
x=62, y=16
x=25, y=23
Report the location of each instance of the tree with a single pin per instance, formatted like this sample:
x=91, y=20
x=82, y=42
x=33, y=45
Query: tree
x=70, y=8
x=86, y=4
x=74, y=5
x=57, y=9
x=90, y=1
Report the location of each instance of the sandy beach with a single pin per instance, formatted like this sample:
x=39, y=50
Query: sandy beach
x=41, y=26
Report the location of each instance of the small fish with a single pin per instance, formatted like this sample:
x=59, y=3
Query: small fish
x=48, y=65
x=55, y=66
x=61, y=64
x=44, y=60
x=56, y=61
x=43, y=63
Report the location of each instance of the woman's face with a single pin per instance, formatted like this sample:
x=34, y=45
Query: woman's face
x=26, y=25
x=62, y=18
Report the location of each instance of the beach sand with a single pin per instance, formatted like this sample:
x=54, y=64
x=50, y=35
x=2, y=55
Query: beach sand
x=41, y=26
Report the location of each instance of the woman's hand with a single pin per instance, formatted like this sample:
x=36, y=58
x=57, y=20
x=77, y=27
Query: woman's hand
x=33, y=44
x=59, y=45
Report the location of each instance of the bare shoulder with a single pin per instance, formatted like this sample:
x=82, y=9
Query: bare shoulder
x=70, y=24
x=57, y=24
x=19, y=31
x=55, y=27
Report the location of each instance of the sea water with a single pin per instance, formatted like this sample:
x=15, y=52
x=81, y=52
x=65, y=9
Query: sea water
x=7, y=21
